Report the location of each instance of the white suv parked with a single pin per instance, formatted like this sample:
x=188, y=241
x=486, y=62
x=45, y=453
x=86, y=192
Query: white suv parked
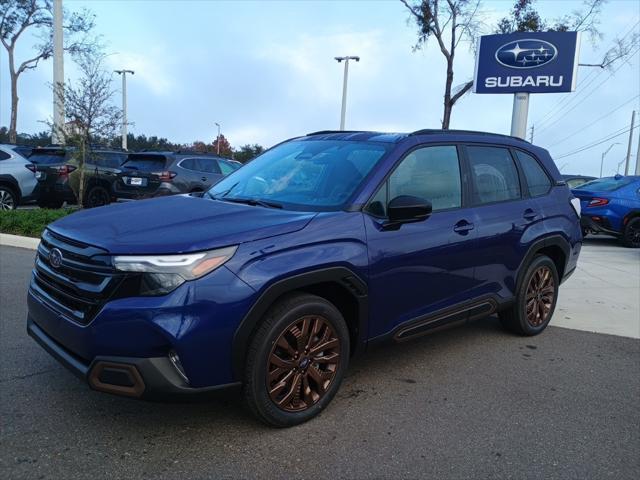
x=17, y=176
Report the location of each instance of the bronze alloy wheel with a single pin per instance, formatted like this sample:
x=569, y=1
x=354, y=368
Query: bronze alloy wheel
x=540, y=296
x=302, y=364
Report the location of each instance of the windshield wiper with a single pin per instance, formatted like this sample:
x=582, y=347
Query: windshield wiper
x=251, y=201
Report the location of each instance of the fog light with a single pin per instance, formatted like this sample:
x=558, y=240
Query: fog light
x=175, y=361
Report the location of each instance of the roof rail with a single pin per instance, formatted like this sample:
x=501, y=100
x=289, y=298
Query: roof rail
x=438, y=131
x=324, y=132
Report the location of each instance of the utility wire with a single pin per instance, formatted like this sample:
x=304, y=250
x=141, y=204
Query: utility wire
x=582, y=129
x=570, y=98
x=611, y=136
x=549, y=125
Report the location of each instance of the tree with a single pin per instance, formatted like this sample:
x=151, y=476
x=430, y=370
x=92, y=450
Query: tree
x=225, y=147
x=525, y=18
x=90, y=115
x=247, y=152
x=449, y=22
x=20, y=16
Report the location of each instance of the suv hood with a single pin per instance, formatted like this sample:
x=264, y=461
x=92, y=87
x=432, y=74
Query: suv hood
x=176, y=224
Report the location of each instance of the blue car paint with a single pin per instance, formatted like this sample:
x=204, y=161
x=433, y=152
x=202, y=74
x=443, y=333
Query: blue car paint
x=420, y=268
x=623, y=201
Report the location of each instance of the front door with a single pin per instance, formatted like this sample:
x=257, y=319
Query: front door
x=420, y=268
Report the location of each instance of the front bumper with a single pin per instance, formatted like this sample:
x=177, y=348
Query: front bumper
x=150, y=378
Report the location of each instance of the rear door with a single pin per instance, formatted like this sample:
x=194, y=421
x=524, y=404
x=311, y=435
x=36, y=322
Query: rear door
x=142, y=174
x=210, y=172
x=507, y=219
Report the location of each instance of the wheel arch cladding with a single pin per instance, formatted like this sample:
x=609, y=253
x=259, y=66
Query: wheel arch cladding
x=338, y=285
x=555, y=247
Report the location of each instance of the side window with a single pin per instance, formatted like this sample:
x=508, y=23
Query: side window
x=189, y=164
x=495, y=177
x=225, y=168
x=431, y=173
x=537, y=179
x=207, y=165
x=4, y=155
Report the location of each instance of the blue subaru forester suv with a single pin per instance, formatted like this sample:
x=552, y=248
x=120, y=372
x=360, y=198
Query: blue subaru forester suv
x=320, y=248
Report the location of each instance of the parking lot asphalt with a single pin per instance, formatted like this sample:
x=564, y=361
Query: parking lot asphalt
x=471, y=402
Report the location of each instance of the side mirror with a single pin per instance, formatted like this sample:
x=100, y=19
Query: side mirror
x=406, y=208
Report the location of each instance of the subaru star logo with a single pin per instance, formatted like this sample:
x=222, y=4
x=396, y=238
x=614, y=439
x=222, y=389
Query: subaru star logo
x=526, y=53
x=55, y=258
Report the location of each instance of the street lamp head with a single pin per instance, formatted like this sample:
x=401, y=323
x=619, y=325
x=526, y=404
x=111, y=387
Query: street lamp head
x=348, y=57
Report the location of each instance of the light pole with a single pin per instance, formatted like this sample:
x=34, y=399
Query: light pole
x=344, y=85
x=124, y=104
x=604, y=155
x=218, y=140
x=58, y=74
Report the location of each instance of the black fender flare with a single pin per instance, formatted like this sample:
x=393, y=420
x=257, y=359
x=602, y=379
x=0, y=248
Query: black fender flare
x=339, y=275
x=555, y=240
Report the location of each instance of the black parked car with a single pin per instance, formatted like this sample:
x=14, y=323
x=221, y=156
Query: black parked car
x=154, y=174
x=52, y=172
x=101, y=170
x=58, y=174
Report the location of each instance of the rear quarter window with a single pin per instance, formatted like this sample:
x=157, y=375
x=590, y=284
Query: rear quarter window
x=537, y=179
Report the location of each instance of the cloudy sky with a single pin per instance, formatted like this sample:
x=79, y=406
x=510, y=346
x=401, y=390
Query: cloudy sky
x=265, y=71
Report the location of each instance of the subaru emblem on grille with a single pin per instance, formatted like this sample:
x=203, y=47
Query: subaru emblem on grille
x=55, y=258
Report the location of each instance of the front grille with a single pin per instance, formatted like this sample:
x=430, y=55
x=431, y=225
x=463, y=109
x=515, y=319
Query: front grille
x=83, y=282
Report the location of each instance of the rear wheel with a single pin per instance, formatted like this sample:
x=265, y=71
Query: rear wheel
x=296, y=360
x=631, y=236
x=97, y=196
x=8, y=198
x=535, y=300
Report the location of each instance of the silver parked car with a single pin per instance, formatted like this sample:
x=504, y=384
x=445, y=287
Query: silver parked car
x=17, y=176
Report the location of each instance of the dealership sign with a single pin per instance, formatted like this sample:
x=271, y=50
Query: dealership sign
x=532, y=62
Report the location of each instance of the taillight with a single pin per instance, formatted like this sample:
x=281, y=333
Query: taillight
x=597, y=202
x=65, y=169
x=31, y=167
x=165, y=176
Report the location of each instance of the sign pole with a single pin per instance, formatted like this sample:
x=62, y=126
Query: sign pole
x=519, y=115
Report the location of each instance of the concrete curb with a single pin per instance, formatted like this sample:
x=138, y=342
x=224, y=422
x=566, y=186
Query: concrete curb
x=18, y=241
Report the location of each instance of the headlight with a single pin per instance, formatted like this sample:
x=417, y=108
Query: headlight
x=163, y=273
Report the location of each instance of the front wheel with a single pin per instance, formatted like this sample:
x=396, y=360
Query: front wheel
x=296, y=360
x=631, y=235
x=536, y=299
x=8, y=199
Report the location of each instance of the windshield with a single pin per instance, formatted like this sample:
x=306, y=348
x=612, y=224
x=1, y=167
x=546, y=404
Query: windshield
x=606, y=184
x=303, y=175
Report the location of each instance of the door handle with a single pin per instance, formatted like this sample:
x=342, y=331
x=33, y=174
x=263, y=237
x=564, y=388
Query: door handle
x=204, y=179
x=463, y=227
x=530, y=215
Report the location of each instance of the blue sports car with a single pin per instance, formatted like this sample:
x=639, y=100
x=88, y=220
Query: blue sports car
x=611, y=205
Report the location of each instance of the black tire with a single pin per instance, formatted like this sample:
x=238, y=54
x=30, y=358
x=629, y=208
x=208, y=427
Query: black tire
x=97, y=196
x=8, y=198
x=631, y=236
x=533, y=307
x=298, y=402
x=585, y=232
